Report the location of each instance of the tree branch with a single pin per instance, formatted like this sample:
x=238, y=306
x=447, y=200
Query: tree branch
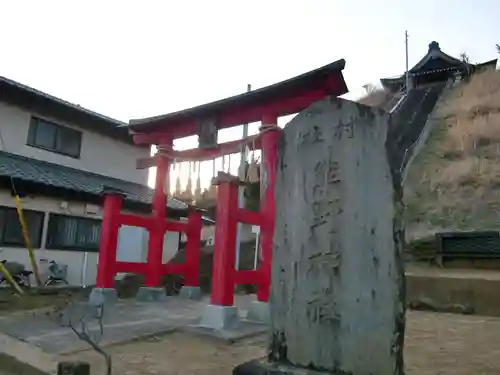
x=83, y=334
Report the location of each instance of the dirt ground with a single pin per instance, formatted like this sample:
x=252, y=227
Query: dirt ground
x=436, y=344
x=37, y=299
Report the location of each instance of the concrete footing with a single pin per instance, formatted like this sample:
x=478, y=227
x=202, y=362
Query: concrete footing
x=190, y=292
x=219, y=317
x=102, y=296
x=150, y=294
x=259, y=312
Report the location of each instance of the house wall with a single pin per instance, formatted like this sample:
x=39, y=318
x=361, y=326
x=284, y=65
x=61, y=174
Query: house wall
x=75, y=259
x=99, y=154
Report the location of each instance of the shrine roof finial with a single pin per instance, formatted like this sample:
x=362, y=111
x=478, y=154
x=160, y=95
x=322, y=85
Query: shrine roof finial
x=434, y=46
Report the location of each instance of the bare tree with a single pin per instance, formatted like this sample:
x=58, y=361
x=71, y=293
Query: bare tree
x=498, y=47
x=369, y=88
x=82, y=332
x=465, y=58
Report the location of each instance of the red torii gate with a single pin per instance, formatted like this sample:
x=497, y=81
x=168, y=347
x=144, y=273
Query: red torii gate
x=265, y=105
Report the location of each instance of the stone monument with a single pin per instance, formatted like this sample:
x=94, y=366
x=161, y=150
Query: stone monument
x=338, y=289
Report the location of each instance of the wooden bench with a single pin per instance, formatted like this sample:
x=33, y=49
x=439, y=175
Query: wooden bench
x=467, y=245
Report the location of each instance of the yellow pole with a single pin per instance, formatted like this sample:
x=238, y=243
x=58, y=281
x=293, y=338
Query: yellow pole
x=27, y=241
x=9, y=278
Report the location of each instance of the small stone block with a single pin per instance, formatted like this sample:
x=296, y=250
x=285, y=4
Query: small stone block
x=259, y=312
x=219, y=317
x=148, y=294
x=190, y=292
x=102, y=296
x=73, y=368
x=264, y=367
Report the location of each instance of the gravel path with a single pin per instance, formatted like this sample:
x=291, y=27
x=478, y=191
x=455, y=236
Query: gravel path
x=436, y=344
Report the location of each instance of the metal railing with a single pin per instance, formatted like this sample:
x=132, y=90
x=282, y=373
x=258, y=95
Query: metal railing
x=396, y=101
x=410, y=153
x=407, y=151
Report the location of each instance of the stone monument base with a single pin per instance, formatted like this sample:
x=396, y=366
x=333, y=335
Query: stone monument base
x=262, y=366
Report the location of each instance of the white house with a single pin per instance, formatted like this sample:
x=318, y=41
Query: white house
x=58, y=156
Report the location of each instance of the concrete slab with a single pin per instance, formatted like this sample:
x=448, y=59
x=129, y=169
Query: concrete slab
x=17, y=357
x=147, y=294
x=124, y=321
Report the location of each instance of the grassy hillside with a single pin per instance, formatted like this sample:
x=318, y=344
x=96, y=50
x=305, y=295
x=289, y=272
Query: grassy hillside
x=454, y=182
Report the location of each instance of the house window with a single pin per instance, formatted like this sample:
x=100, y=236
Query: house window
x=73, y=233
x=10, y=228
x=53, y=137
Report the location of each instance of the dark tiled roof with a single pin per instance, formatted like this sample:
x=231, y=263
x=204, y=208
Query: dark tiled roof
x=24, y=96
x=77, y=107
x=53, y=175
x=433, y=62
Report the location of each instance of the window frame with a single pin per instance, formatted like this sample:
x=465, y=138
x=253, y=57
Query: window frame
x=33, y=127
x=35, y=244
x=51, y=227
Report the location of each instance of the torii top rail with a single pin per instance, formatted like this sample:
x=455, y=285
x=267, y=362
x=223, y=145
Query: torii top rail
x=265, y=104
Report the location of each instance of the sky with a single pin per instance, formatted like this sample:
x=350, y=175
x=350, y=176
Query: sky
x=133, y=59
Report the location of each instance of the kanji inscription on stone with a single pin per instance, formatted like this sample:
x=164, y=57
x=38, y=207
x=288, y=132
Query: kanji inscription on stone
x=337, y=288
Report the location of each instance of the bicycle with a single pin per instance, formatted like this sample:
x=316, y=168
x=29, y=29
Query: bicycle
x=57, y=275
x=22, y=277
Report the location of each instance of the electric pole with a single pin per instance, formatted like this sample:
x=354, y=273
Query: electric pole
x=407, y=84
x=241, y=189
